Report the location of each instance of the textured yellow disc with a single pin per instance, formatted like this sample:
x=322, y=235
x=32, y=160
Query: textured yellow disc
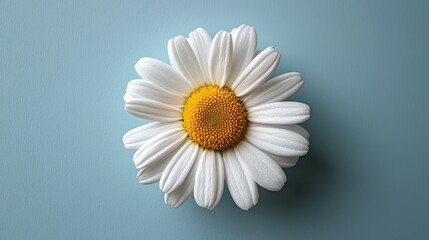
x=214, y=117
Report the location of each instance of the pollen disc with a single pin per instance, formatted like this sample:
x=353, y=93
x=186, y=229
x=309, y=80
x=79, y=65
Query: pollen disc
x=214, y=117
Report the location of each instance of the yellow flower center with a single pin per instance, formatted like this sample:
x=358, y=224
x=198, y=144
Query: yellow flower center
x=214, y=117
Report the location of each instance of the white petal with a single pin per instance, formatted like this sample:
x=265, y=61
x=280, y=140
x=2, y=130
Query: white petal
x=244, y=47
x=283, y=141
x=294, y=128
x=279, y=113
x=178, y=168
x=183, y=59
x=144, y=89
x=152, y=110
x=200, y=42
x=287, y=162
x=136, y=137
x=179, y=195
x=284, y=162
x=243, y=190
x=274, y=90
x=260, y=167
x=220, y=58
x=152, y=172
x=158, y=147
x=164, y=75
x=256, y=72
x=209, y=179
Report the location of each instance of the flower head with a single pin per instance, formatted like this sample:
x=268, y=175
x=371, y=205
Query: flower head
x=217, y=117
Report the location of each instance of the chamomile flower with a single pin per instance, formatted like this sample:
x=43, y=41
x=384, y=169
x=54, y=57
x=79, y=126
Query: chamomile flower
x=216, y=117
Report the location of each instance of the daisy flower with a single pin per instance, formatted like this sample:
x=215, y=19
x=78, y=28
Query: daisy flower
x=216, y=117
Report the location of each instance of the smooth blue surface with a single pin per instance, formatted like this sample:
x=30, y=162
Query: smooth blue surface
x=64, y=173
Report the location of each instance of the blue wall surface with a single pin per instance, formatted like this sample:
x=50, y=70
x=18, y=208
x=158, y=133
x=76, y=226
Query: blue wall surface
x=64, y=173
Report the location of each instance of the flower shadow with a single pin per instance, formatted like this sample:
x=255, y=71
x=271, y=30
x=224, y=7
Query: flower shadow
x=307, y=183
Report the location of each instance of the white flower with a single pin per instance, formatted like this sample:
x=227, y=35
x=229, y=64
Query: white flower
x=216, y=118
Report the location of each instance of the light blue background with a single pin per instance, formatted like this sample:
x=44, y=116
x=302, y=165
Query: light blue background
x=64, y=173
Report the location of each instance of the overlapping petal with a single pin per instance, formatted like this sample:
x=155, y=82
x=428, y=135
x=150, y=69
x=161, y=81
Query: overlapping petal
x=284, y=162
x=158, y=147
x=136, y=137
x=260, y=167
x=220, y=58
x=244, y=48
x=143, y=89
x=200, y=42
x=274, y=90
x=152, y=171
x=153, y=110
x=179, y=167
x=164, y=75
x=256, y=72
x=178, y=196
x=284, y=141
x=243, y=190
x=183, y=59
